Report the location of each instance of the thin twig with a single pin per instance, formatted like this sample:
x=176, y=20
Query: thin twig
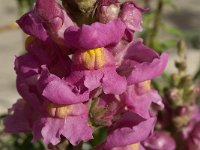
x=8, y=27
x=156, y=24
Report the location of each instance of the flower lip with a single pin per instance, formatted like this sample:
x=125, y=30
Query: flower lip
x=95, y=36
x=141, y=63
x=128, y=129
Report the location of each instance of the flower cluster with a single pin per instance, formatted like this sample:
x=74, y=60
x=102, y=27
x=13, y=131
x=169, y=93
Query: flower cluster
x=75, y=78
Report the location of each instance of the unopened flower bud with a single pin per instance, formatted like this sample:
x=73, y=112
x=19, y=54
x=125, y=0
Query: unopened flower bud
x=186, y=81
x=181, y=65
x=81, y=11
x=181, y=48
x=175, y=96
x=175, y=79
x=181, y=121
x=182, y=110
x=108, y=13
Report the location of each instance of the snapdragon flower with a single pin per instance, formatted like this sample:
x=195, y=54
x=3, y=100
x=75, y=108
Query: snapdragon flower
x=92, y=59
x=46, y=20
x=36, y=113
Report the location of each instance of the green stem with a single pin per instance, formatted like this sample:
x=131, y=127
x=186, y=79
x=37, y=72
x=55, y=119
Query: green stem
x=156, y=24
x=197, y=75
x=147, y=3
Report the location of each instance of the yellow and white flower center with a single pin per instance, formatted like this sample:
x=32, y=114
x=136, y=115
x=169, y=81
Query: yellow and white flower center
x=58, y=111
x=93, y=59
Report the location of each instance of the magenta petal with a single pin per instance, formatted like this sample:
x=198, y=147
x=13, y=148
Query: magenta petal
x=32, y=25
x=71, y=128
x=59, y=91
x=26, y=65
x=95, y=36
x=128, y=131
x=77, y=129
x=137, y=51
x=27, y=88
x=107, y=78
x=93, y=79
x=51, y=130
x=148, y=71
x=54, y=18
x=53, y=15
x=112, y=82
x=140, y=102
x=20, y=121
x=131, y=15
x=49, y=54
x=48, y=10
x=141, y=63
x=37, y=128
x=74, y=128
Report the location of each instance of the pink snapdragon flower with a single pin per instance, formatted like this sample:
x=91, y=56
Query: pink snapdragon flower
x=92, y=61
x=46, y=20
x=35, y=112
